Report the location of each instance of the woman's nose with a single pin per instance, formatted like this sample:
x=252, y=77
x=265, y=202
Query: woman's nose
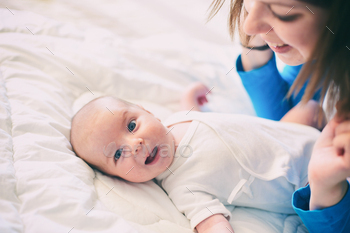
x=257, y=20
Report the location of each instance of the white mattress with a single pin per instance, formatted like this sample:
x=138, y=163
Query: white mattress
x=142, y=52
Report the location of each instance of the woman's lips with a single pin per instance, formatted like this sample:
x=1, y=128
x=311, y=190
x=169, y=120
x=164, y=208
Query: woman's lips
x=279, y=48
x=275, y=45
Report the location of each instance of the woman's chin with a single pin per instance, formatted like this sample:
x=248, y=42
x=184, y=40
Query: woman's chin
x=292, y=58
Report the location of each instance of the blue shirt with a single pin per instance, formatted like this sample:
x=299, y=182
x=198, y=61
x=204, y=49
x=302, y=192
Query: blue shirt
x=267, y=88
x=334, y=219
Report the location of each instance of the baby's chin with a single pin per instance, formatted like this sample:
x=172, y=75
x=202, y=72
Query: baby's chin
x=138, y=180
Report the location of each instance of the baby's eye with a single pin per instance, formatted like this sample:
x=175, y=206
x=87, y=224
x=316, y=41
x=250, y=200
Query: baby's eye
x=117, y=154
x=132, y=125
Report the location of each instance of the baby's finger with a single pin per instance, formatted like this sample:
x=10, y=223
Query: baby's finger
x=342, y=128
x=205, y=91
x=205, y=99
x=202, y=100
x=342, y=118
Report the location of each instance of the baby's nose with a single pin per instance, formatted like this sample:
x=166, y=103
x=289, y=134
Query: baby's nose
x=139, y=153
x=137, y=147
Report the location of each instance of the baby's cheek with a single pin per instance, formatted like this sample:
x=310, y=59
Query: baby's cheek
x=159, y=130
x=109, y=150
x=139, y=175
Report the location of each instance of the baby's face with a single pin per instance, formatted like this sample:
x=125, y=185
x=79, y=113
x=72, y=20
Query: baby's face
x=129, y=142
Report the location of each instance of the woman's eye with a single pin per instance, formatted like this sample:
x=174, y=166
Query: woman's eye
x=288, y=18
x=117, y=154
x=132, y=125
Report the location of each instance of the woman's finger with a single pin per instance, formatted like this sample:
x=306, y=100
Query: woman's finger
x=343, y=127
x=327, y=135
x=340, y=118
x=342, y=145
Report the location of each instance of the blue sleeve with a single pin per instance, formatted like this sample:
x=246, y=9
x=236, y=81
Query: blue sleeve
x=289, y=74
x=266, y=89
x=332, y=219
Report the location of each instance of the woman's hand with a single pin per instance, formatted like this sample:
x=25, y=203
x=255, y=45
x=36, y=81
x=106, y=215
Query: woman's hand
x=194, y=96
x=330, y=165
x=254, y=59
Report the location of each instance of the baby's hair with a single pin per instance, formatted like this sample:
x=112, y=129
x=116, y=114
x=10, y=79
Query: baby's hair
x=103, y=97
x=88, y=114
x=90, y=105
x=74, y=123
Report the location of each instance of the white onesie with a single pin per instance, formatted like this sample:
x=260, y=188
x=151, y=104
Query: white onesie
x=227, y=160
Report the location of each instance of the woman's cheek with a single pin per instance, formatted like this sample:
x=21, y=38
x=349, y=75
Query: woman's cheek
x=300, y=43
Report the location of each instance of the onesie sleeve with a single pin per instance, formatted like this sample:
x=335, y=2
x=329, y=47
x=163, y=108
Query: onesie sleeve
x=267, y=89
x=197, y=204
x=332, y=219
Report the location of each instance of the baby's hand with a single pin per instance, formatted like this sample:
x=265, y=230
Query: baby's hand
x=194, y=96
x=330, y=165
x=213, y=224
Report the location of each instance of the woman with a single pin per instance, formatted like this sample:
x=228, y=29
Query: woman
x=315, y=33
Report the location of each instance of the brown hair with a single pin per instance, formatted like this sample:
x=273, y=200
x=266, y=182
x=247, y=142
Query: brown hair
x=329, y=68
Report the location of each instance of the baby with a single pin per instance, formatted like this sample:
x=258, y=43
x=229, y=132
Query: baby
x=208, y=163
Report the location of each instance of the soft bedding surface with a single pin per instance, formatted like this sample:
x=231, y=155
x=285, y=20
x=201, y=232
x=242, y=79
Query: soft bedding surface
x=49, y=69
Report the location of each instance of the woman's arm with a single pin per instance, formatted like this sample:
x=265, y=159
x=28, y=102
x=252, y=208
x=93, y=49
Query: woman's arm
x=266, y=89
x=265, y=85
x=330, y=165
x=213, y=224
x=324, y=206
x=262, y=81
x=254, y=59
x=331, y=219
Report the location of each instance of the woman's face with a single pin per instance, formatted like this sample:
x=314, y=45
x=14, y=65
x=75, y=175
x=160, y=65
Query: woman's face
x=291, y=28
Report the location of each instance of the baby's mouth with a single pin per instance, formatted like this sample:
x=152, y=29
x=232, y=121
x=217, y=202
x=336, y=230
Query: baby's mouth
x=151, y=157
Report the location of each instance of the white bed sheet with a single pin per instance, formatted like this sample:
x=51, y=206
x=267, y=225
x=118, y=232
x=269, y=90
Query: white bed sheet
x=48, y=65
